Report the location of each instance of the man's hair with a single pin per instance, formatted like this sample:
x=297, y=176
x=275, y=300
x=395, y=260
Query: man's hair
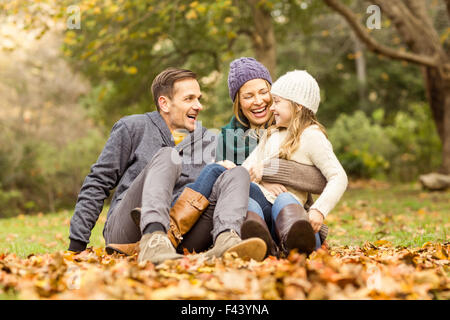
x=164, y=82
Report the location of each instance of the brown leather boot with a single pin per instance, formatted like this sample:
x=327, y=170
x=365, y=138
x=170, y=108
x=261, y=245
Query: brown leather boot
x=255, y=227
x=294, y=230
x=185, y=213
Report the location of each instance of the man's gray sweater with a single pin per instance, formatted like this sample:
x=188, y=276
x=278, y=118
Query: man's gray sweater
x=132, y=143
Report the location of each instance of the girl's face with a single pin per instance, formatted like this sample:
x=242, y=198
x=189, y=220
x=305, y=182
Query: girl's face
x=282, y=110
x=254, y=98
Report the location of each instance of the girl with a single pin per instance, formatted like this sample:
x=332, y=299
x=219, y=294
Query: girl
x=297, y=136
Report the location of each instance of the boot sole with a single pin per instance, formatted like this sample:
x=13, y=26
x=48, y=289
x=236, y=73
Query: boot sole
x=254, y=248
x=301, y=237
x=162, y=258
x=253, y=229
x=110, y=250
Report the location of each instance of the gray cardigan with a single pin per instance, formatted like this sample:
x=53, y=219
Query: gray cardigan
x=132, y=143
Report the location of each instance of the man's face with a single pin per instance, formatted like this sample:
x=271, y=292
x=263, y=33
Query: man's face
x=181, y=111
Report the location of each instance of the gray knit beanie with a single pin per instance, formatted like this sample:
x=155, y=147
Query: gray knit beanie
x=245, y=69
x=298, y=86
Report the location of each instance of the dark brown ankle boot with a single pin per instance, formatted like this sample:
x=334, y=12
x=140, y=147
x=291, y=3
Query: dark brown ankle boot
x=294, y=230
x=255, y=226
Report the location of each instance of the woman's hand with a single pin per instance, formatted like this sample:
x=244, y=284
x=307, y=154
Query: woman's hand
x=316, y=219
x=227, y=164
x=274, y=188
x=256, y=173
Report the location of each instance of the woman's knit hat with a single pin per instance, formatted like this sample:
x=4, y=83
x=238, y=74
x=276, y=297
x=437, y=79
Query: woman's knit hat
x=298, y=86
x=245, y=69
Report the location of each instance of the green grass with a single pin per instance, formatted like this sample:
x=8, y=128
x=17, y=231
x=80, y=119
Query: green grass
x=402, y=214
x=42, y=233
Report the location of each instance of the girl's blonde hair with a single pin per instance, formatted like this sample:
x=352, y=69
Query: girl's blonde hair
x=301, y=119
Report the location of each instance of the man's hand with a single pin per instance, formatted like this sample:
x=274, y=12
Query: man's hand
x=274, y=188
x=227, y=164
x=316, y=219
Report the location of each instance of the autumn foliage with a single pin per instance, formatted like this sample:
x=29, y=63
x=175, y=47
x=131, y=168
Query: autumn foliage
x=374, y=271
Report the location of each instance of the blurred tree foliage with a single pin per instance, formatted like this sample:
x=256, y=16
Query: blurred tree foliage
x=368, y=146
x=47, y=142
x=122, y=45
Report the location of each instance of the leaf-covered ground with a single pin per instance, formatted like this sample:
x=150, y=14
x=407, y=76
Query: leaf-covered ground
x=374, y=271
x=386, y=242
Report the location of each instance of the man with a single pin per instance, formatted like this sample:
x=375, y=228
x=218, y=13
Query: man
x=142, y=163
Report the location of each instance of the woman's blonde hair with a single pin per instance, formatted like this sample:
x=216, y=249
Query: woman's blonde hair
x=239, y=115
x=301, y=119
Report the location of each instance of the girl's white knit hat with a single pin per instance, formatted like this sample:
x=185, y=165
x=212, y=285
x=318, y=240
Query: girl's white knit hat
x=298, y=86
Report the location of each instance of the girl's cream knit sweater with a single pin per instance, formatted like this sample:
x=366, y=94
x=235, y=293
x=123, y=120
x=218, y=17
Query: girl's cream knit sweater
x=314, y=149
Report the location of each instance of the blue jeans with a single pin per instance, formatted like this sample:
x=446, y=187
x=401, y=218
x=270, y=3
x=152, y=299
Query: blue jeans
x=281, y=201
x=259, y=202
x=206, y=179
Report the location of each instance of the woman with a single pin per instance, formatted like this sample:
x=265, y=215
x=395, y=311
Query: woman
x=249, y=85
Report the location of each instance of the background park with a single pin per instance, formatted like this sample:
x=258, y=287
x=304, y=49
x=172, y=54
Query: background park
x=69, y=70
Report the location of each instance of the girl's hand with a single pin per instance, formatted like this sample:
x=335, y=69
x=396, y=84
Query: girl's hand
x=256, y=172
x=316, y=219
x=274, y=188
x=227, y=164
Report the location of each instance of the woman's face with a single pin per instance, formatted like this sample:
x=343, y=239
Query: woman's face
x=282, y=111
x=254, y=98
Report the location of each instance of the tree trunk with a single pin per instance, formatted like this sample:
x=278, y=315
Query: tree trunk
x=446, y=137
x=438, y=93
x=263, y=36
x=447, y=3
x=361, y=71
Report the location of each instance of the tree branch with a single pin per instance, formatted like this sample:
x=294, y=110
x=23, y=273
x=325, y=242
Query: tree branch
x=372, y=44
x=418, y=8
x=413, y=23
